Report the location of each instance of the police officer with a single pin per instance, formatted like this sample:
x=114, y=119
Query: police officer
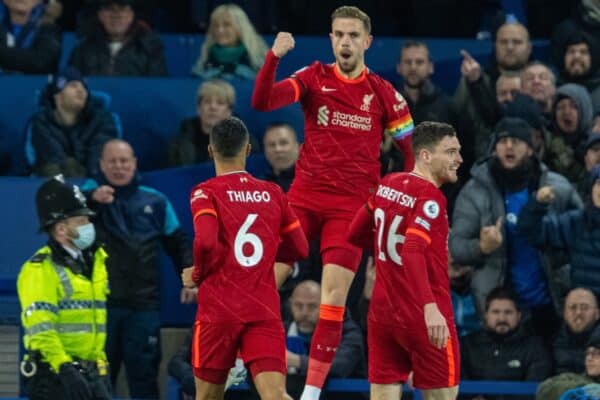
x=62, y=290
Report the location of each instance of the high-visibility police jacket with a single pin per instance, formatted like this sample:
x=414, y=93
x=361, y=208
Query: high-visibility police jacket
x=63, y=313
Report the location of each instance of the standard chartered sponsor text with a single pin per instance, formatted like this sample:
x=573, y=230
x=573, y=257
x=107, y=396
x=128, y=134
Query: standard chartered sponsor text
x=351, y=121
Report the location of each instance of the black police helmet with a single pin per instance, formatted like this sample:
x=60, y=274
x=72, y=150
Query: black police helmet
x=56, y=201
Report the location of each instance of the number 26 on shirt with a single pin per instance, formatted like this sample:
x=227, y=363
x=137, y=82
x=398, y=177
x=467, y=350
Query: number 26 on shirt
x=388, y=250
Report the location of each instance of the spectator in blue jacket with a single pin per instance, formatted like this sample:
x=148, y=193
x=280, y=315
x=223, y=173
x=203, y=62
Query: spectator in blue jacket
x=576, y=231
x=30, y=42
x=70, y=128
x=133, y=222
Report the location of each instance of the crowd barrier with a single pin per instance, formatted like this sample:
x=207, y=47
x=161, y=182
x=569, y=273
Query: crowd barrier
x=362, y=386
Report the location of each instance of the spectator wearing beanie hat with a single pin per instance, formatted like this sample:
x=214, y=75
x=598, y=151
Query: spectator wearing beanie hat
x=68, y=131
x=525, y=107
x=484, y=225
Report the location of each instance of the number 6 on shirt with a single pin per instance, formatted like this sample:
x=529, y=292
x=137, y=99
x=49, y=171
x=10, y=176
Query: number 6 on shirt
x=243, y=237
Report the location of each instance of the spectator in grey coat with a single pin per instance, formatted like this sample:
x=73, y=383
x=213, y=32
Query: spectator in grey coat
x=484, y=224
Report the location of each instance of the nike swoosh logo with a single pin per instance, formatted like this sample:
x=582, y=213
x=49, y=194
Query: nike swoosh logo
x=326, y=89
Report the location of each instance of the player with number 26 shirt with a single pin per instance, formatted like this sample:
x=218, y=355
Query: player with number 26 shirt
x=410, y=322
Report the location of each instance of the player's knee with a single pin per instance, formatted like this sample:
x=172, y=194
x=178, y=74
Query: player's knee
x=441, y=394
x=274, y=393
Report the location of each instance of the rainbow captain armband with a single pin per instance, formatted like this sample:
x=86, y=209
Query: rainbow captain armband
x=400, y=128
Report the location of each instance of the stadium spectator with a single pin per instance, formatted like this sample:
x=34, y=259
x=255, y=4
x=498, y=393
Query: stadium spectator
x=525, y=107
x=69, y=130
x=576, y=231
x=502, y=350
x=30, y=42
x=117, y=43
x=591, y=151
x=539, y=82
x=580, y=323
x=281, y=148
x=553, y=388
x=232, y=47
x=476, y=89
x=585, y=20
x=579, y=67
x=215, y=101
x=349, y=360
x=62, y=290
x=571, y=122
x=466, y=316
x=133, y=221
x=484, y=225
x=426, y=101
x=339, y=162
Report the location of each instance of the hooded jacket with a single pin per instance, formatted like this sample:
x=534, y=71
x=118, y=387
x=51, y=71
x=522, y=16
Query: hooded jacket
x=564, y=151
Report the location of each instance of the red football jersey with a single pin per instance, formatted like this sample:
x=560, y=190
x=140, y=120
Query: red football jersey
x=407, y=203
x=238, y=281
x=344, y=122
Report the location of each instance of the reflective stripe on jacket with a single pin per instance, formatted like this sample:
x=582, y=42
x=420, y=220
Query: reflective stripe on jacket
x=63, y=313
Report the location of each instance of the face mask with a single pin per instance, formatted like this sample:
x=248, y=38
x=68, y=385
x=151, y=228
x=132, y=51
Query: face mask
x=87, y=235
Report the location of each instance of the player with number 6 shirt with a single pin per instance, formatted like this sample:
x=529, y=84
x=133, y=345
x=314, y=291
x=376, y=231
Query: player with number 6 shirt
x=410, y=322
x=241, y=224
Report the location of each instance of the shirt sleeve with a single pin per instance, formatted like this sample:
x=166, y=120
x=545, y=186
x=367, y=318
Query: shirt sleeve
x=270, y=95
x=362, y=227
x=398, y=122
x=429, y=212
x=206, y=231
x=293, y=246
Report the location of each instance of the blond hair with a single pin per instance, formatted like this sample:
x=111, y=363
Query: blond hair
x=217, y=88
x=353, y=12
x=252, y=41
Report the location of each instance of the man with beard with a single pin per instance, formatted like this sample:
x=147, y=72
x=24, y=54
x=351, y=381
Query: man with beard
x=579, y=66
x=484, y=229
x=502, y=350
x=347, y=110
x=580, y=315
